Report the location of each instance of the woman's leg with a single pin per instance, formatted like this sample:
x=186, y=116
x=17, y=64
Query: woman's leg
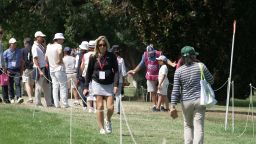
x=100, y=108
x=110, y=107
x=188, y=114
x=199, y=115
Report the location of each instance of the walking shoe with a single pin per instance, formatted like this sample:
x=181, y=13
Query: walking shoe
x=162, y=108
x=118, y=113
x=7, y=101
x=76, y=103
x=39, y=105
x=108, y=126
x=84, y=109
x=154, y=109
x=90, y=110
x=102, y=131
x=66, y=106
x=20, y=100
x=30, y=101
x=12, y=101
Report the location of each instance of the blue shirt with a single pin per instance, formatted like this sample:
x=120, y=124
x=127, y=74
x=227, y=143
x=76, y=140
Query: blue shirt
x=13, y=59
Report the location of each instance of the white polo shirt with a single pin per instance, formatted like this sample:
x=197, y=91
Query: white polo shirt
x=37, y=51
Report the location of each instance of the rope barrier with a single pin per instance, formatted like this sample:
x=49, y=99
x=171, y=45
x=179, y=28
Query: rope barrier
x=129, y=129
x=221, y=86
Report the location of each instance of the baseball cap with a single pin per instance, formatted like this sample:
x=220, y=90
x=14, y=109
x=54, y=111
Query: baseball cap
x=39, y=33
x=188, y=50
x=66, y=49
x=84, y=45
x=58, y=36
x=12, y=40
x=150, y=48
x=162, y=58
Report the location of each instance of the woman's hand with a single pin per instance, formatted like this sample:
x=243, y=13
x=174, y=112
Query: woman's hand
x=85, y=92
x=115, y=90
x=173, y=113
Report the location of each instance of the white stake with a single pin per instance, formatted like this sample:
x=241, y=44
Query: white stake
x=230, y=74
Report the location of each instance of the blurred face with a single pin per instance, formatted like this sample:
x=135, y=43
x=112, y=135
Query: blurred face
x=160, y=62
x=102, y=47
x=26, y=44
x=60, y=41
x=40, y=39
x=151, y=54
x=13, y=45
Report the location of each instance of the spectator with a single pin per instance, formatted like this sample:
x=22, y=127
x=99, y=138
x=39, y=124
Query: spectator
x=187, y=87
x=163, y=83
x=40, y=71
x=80, y=79
x=103, y=72
x=69, y=62
x=84, y=65
x=14, y=63
x=3, y=69
x=54, y=56
x=152, y=68
x=27, y=73
x=122, y=73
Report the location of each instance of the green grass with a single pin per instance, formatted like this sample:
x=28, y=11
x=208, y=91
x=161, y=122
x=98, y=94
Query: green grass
x=50, y=125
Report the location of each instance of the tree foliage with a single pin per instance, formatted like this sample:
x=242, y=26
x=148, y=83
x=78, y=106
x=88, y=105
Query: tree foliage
x=168, y=24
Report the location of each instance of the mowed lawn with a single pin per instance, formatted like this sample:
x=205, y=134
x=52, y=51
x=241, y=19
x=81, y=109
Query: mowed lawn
x=26, y=124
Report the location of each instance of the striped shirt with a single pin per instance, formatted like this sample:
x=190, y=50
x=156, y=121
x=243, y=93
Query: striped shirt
x=186, y=85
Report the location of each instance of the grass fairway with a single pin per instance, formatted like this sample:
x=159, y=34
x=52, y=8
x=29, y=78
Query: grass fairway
x=52, y=126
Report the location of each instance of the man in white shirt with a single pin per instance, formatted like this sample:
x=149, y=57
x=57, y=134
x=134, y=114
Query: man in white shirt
x=39, y=72
x=57, y=70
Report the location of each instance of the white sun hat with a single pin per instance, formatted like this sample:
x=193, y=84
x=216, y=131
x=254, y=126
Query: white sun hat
x=84, y=45
x=39, y=33
x=12, y=40
x=92, y=44
x=58, y=36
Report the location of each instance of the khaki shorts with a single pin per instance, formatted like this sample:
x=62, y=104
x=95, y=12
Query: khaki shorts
x=73, y=77
x=27, y=76
x=152, y=85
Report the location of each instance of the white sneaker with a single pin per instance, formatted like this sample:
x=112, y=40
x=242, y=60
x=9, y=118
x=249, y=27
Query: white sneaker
x=76, y=103
x=108, y=126
x=102, y=131
x=12, y=101
x=84, y=109
x=90, y=110
x=20, y=100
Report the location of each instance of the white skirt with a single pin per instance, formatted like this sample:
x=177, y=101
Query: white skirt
x=101, y=89
x=91, y=97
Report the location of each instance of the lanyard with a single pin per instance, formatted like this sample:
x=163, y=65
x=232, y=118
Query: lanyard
x=103, y=62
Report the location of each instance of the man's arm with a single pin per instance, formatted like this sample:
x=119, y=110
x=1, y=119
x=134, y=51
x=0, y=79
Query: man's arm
x=169, y=62
x=138, y=67
x=36, y=62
